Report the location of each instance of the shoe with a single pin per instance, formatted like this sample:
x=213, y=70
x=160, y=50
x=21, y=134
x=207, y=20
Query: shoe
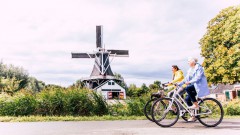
x=192, y=119
x=194, y=107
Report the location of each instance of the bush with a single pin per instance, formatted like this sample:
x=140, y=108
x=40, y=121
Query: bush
x=20, y=105
x=61, y=102
x=100, y=104
x=50, y=102
x=135, y=106
x=233, y=108
x=118, y=109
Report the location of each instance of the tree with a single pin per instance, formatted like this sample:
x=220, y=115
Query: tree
x=13, y=79
x=122, y=82
x=131, y=90
x=11, y=71
x=34, y=85
x=156, y=85
x=143, y=90
x=220, y=47
x=77, y=85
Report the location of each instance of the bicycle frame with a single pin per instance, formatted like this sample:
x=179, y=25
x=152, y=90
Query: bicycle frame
x=181, y=102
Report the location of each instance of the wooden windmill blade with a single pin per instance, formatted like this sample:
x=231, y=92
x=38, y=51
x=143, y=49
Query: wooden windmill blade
x=82, y=55
x=120, y=53
x=99, y=36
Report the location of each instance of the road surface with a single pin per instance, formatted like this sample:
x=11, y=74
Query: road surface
x=126, y=127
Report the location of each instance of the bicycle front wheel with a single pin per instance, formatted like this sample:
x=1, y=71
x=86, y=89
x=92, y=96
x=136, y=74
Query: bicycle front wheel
x=147, y=109
x=165, y=113
x=210, y=112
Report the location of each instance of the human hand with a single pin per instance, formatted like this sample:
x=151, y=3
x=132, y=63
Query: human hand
x=187, y=83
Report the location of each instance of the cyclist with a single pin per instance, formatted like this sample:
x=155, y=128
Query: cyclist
x=177, y=77
x=196, y=84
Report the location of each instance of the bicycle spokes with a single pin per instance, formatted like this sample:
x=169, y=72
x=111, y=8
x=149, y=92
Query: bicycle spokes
x=165, y=112
x=210, y=112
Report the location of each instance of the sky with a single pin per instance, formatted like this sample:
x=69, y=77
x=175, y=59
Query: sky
x=39, y=36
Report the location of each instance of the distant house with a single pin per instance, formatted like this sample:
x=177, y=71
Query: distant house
x=233, y=93
x=226, y=92
x=111, y=90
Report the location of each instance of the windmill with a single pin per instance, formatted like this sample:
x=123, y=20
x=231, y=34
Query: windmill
x=102, y=71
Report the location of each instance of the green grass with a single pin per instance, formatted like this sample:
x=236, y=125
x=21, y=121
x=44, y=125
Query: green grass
x=78, y=118
x=67, y=118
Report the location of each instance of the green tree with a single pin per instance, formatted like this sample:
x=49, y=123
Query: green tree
x=156, y=85
x=131, y=90
x=78, y=84
x=220, y=47
x=122, y=82
x=13, y=79
x=11, y=71
x=34, y=85
x=143, y=90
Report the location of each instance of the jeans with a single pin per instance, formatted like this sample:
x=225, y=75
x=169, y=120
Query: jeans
x=191, y=95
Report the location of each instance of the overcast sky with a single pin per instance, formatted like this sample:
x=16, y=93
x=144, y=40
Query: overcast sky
x=39, y=35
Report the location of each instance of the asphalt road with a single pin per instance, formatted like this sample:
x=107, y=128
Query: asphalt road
x=126, y=127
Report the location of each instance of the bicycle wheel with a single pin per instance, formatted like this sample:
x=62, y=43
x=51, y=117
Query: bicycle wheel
x=210, y=112
x=147, y=109
x=165, y=113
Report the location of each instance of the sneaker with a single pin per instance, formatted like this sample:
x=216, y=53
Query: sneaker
x=192, y=119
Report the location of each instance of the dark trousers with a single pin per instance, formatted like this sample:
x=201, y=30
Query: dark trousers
x=191, y=95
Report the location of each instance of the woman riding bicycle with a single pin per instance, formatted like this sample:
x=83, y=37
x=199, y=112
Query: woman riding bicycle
x=196, y=84
x=177, y=77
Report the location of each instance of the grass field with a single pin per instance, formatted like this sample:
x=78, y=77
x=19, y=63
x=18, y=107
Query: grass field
x=78, y=118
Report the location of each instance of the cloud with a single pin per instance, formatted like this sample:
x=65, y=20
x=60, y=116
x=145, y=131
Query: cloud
x=40, y=35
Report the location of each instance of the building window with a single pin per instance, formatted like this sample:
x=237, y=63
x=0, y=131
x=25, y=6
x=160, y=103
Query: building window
x=109, y=83
x=113, y=83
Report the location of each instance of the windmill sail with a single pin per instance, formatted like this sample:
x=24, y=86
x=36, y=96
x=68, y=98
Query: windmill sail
x=119, y=52
x=99, y=36
x=82, y=55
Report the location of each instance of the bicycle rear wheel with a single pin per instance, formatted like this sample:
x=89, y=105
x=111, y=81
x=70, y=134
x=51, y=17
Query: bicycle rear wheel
x=147, y=109
x=165, y=113
x=210, y=112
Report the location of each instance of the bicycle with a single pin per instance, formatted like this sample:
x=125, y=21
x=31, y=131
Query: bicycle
x=148, y=105
x=165, y=111
x=154, y=97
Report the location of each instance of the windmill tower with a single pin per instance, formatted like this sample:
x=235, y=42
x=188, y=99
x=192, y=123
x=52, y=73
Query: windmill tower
x=102, y=72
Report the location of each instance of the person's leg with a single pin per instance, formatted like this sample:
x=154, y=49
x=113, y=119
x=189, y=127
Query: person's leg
x=181, y=92
x=191, y=93
x=192, y=96
x=188, y=100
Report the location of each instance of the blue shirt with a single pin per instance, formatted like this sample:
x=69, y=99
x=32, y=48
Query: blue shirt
x=198, y=79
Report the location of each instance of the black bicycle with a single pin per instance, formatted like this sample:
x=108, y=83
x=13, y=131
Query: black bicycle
x=148, y=105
